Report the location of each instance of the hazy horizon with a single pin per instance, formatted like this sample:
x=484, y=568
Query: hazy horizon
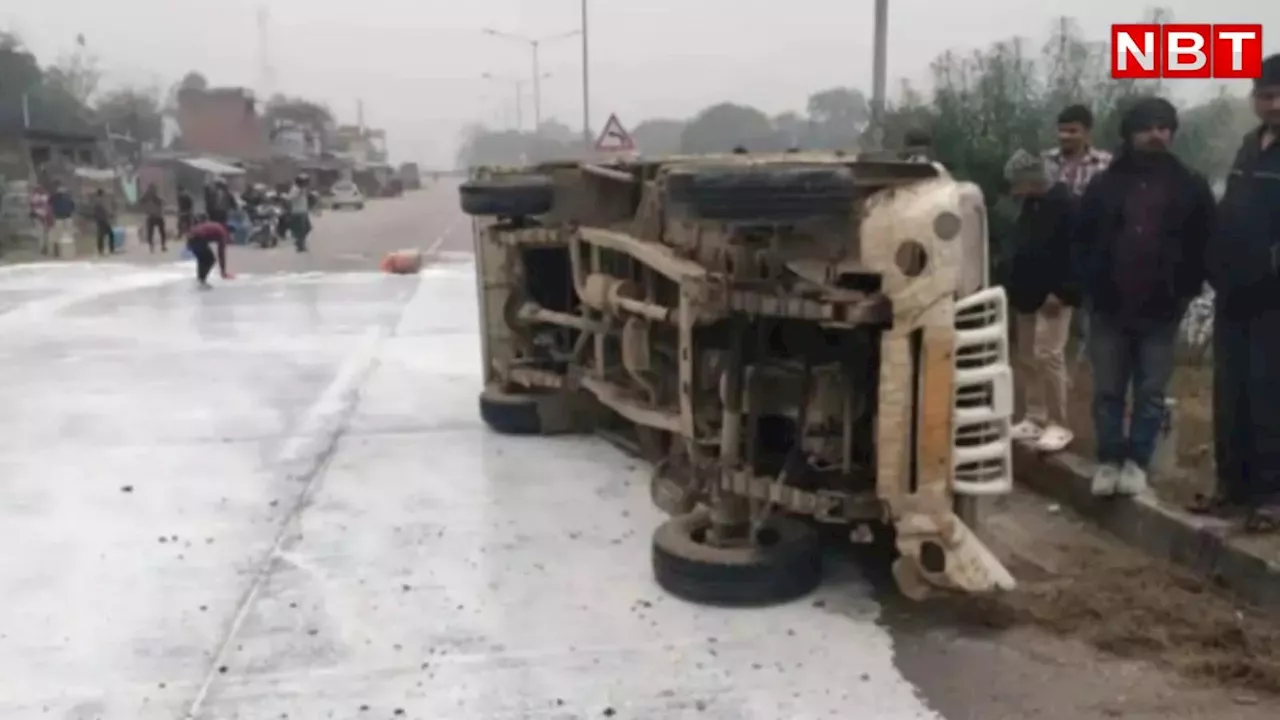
x=417, y=66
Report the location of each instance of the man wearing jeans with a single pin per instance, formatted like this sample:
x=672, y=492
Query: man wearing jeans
x=1145, y=222
x=1042, y=290
x=1074, y=163
x=1245, y=274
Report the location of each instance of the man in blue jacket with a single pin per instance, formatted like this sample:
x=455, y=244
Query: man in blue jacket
x=1144, y=225
x=62, y=207
x=1244, y=266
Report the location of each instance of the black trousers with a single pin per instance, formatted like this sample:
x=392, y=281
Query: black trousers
x=1246, y=405
x=154, y=224
x=205, y=257
x=106, y=237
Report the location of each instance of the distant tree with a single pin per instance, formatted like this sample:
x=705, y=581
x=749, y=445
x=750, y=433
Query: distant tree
x=720, y=128
x=557, y=132
x=133, y=111
x=19, y=69
x=794, y=129
x=78, y=74
x=193, y=80
x=838, y=116
x=658, y=137
x=300, y=111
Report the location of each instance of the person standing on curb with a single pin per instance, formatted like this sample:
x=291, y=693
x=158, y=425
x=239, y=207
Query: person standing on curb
x=1145, y=223
x=1074, y=163
x=1042, y=291
x=1244, y=269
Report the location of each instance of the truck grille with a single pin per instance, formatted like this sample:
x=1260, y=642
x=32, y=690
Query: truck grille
x=981, y=456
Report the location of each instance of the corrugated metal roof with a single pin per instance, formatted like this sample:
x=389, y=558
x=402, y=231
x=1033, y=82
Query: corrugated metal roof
x=211, y=166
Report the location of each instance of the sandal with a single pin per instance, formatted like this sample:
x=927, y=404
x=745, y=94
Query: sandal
x=1213, y=505
x=1263, y=519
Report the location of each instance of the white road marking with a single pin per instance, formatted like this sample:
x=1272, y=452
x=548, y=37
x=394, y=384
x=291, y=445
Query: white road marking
x=315, y=419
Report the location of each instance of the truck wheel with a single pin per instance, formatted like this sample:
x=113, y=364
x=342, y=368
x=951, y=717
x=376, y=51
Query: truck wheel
x=508, y=196
x=784, y=563
x=767, y=194
x=532, y=413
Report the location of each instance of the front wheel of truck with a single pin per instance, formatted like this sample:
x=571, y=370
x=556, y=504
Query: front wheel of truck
x=782, y=562
x=517, y=411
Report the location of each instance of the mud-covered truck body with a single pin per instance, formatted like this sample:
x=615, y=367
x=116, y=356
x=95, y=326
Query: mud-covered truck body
x=793, y=341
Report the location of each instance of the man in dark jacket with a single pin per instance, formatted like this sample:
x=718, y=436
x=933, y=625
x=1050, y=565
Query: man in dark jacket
x=1145, y=223
x=102, y=216
x=153, y=207
x=1042, y=290
x=1244, y=266
x=186, y=211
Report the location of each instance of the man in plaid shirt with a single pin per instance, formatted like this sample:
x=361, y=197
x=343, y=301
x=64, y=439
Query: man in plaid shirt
x=1074, y=163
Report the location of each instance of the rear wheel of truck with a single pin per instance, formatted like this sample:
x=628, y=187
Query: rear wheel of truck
x=762, y=194
x=532, y=412
x=783, y=562
x=507, y=196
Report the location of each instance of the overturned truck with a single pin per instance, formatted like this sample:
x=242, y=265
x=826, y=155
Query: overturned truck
x=793, y=341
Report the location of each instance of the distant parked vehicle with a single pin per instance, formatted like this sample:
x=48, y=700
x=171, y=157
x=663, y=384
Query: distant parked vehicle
x=344, y=193
x=410, y=176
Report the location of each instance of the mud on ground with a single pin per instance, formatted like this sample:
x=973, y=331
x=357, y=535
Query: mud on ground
x=1078, y=583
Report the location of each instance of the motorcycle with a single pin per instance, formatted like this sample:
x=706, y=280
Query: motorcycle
x=264, y=221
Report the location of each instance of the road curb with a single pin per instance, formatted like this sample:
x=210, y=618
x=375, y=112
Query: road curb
x=1203, y=545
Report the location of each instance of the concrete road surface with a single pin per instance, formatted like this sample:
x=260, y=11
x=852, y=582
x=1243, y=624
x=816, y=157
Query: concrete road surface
x=275, y=500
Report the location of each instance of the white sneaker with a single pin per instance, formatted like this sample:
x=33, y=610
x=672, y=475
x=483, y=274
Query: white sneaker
x=1133, y=479
x=1054, y=439
x=1026, y=430
x=1105, y=480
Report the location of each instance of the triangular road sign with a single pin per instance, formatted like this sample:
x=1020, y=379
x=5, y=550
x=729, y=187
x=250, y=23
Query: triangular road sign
x=615, y=138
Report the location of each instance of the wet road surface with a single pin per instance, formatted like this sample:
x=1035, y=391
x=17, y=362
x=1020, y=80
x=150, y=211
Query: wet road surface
x=352, y=240
x=275, y=499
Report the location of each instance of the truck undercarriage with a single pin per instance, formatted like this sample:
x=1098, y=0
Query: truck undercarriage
x=792, y=341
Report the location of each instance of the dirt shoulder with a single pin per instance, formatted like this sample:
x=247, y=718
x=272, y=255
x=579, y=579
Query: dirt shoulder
x=1095, y=630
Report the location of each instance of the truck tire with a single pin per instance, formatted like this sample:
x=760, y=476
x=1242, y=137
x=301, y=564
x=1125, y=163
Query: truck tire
x=765, y=194
x=507, y=196
x=509, y=413
x=532, y=413
x=785, y=564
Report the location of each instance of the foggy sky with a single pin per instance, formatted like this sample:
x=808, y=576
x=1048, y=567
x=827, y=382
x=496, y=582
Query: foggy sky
x=416, y=64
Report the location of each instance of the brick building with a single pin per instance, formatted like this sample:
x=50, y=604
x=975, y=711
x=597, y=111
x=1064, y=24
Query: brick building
x=224, y=122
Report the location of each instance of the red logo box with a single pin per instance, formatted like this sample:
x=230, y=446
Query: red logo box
x=1182, y=50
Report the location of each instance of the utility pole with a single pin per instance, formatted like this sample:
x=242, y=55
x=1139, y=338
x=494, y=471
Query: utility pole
x=535, y=44
x=267, y=73
x=879, y=73
x=586, y=83
x=360, y=114
x=518, y=84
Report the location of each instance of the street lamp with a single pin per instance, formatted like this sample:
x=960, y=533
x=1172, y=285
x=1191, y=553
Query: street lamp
x=586, y=85
x=518, y=83
x=879, y=72
x=534, y=44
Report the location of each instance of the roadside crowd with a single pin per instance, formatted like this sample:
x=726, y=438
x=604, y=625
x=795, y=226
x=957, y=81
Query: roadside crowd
x=1112, y=249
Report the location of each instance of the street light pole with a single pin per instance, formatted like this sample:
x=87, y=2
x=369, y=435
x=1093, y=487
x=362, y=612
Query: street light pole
x=879, y=72
x=535, y=44
x=537, y=89
x=586, y=83
x=518, y=83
